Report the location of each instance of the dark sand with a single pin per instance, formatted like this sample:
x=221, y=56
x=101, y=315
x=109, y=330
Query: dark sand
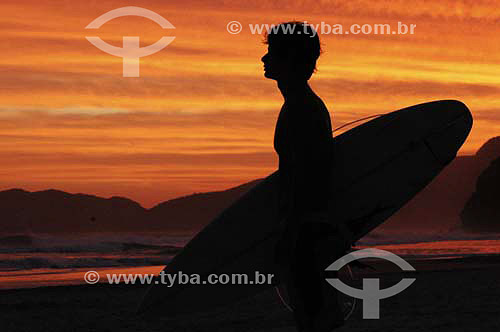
x=454, y=295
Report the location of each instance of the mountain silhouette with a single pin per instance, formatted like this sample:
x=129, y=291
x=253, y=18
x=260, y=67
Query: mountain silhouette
x=55, y=211
x=436, y=208
x=191, y=213
x=482, y=211
x=490, y=150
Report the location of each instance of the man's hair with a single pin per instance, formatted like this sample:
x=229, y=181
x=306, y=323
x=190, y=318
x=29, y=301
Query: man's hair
x=301, y=39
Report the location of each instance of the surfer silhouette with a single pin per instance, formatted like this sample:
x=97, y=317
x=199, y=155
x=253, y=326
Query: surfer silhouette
x=302, y=140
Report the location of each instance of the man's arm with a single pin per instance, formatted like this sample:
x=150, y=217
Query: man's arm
x=312, y=158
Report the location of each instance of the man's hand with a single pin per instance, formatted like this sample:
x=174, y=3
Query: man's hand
x=327, y=228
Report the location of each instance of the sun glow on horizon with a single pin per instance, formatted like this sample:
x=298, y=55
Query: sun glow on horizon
x=201, y=116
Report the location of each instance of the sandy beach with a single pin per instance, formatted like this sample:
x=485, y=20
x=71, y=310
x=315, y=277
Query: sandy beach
x=448, y=295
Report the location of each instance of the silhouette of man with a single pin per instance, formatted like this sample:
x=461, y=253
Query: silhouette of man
x=303, y=142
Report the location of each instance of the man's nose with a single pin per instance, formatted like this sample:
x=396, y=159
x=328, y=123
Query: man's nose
x=264, y=58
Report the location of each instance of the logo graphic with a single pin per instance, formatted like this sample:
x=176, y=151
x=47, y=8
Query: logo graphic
x=130, y=52
x=91, y=277
x=371, y=294
x=234, y=27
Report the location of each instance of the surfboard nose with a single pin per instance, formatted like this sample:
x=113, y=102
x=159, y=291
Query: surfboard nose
x=446, y=142
x=457, y=109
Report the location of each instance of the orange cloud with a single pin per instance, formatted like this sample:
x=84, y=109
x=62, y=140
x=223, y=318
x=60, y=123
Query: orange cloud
x=201, y=116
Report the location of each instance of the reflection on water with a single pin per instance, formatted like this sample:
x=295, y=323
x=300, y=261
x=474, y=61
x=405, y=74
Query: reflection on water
x=36, y=269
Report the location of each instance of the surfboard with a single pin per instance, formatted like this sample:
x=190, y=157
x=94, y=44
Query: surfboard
x=378, y=167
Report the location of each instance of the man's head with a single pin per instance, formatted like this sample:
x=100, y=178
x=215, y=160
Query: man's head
x=293, y=48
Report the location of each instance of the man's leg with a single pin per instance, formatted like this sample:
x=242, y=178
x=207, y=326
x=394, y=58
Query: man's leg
x=331, y=243
x=304, y=287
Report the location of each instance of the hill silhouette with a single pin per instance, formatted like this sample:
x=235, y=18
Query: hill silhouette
x=490, y=150
x=191, y=213
x=482, y=211
x=436, y=208
x=55, y=211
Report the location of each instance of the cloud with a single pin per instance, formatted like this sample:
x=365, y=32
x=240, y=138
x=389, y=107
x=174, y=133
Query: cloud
x=202, y=115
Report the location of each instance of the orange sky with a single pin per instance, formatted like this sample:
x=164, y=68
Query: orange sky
x=201, y=116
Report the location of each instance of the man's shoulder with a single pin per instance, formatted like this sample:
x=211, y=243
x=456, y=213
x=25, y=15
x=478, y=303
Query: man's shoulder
x=301, y=101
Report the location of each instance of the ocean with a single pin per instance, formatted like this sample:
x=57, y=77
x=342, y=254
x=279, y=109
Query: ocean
x=28, y=261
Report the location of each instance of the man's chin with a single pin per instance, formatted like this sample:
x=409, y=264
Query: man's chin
x=268, y=75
